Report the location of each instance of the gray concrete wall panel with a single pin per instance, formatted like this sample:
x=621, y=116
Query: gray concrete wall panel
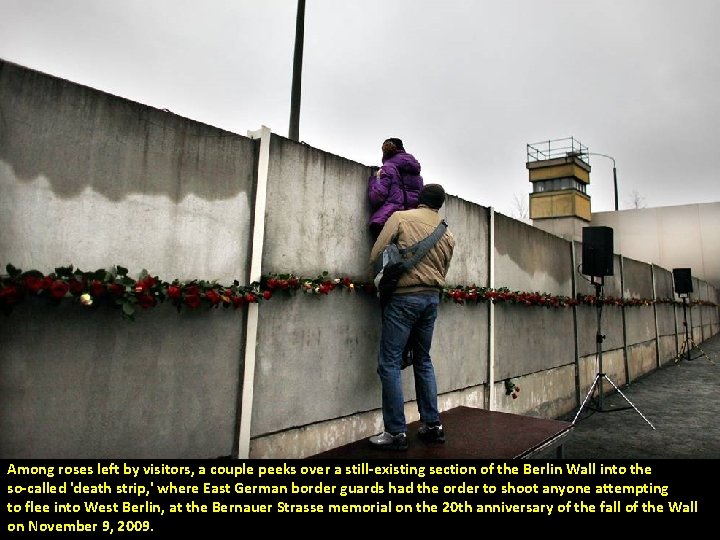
x=520, y=353
x=460, y=346
x=529, y=259
x=611, y=327
x=93, y=180
x=316, y=214
x=637, y=279
x=666, y=323
x=641, y=359
x=118, y=180
x=321, y=365
x=82, y=384
x=664, y=288
x=639, y=324
x=669, y=348
x=469, y=223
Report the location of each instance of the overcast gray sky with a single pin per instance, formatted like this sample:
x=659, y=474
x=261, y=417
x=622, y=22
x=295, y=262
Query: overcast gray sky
x=466, y=84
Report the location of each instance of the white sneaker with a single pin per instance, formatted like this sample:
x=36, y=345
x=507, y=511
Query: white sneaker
x=388, y=441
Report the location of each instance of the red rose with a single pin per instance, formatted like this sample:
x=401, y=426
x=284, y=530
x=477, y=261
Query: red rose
x=145, y=285
x=267, y=295
x=174, y=292
x=32, y=284
x=9, y=295
x=237, y=301
x=97, y=288
x=293, y=282
x=76, y=286
x=213, y=296
x=250, y=298
x=116, y=289
x=146, y=300
x=192, y=300
x=58, y=289
x=324, y=288
x=192, y=290
x=272, y=283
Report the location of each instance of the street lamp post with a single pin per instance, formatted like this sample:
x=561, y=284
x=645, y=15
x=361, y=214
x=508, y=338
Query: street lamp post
x=294, y=132
x=614, y=174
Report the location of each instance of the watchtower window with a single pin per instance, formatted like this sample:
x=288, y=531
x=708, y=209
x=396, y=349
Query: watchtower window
x=558, y=184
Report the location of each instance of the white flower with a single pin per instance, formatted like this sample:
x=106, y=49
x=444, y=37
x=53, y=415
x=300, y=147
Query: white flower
x=86, y=299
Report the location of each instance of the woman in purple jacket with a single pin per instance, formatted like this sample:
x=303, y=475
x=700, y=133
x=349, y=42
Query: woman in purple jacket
x=395, y=186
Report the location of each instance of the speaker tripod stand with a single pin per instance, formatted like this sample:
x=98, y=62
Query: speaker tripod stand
x=689, y=343
x=600, y=375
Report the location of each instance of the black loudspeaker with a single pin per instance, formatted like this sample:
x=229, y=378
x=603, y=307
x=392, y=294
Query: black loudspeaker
x=597, y=251
x=683, y=280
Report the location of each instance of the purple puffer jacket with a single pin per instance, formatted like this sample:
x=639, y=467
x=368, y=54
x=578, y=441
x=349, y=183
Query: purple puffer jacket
x=385, y=191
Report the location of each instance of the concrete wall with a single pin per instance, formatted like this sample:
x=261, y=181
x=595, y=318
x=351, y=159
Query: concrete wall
x=94, y=180
x=684, y=236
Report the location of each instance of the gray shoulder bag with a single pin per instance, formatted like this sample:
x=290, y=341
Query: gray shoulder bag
x=392, y=264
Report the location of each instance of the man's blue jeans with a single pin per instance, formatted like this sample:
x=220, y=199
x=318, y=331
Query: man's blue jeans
x=402, y=314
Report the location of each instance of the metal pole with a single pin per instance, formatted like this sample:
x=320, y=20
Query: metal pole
x=687, y=335
x=294, y=133
x=615, y=183
x=599, y=338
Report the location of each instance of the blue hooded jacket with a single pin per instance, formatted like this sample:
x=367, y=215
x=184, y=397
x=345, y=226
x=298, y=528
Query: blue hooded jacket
x=396, y=187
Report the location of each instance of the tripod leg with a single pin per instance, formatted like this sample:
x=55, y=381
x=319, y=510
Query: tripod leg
x=683, y=351
x=702, y=353
x=590, y=391
x=630, y=402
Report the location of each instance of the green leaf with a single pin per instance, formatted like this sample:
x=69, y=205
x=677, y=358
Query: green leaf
x=128, y=309
x=35, y=273
x=64, y=271
x=121, y=271
x=100, y=274
x=12, y=271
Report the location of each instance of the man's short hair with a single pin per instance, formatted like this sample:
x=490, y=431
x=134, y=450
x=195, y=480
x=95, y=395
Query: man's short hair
x=432, y=195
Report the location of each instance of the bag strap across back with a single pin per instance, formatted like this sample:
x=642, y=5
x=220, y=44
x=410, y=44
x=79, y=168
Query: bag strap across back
x=419, y=250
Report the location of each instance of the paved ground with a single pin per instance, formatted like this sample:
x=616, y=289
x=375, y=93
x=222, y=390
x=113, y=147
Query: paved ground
x=681, y=400
x=671, y=413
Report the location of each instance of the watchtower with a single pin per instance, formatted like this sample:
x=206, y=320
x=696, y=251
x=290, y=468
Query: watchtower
x=559, y=171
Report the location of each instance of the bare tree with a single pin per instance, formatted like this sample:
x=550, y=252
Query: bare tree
x=520, y=207
x=637, y=200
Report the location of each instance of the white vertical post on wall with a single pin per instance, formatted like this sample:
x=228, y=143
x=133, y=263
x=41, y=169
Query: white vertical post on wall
x=258, y=236
x=624, y=320
x=491, y=312
x=576, y=338
x=655, y=316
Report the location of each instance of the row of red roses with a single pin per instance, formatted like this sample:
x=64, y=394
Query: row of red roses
x=147, y=291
